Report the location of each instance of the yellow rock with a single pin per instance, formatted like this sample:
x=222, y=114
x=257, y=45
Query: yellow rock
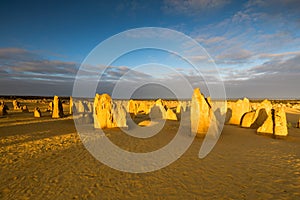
x=24, y=108
x=266, y=104
x=276, y=123
x=37, y=113
x=147, y=123
x=267, y=126
x=247, y=119
x=3, y=109
x=71, y=106
x=159, y=102
x=50, y=106
x=261, y=112
x=143, y=107
x=280, y=122
x=96, y=100
x=239, y=108
x=103, y=111
x=132, y=107
x=57, y=111
x=16, y=105
x=200, y=113
x=208, y=99
x=119, y=115
x=181, y=106
x=178, y=108
x=170, y=115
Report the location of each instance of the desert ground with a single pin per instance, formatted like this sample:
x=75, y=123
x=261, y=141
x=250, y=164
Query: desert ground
x=44, y=158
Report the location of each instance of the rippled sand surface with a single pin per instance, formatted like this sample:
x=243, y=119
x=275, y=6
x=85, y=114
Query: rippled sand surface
x=45, y=159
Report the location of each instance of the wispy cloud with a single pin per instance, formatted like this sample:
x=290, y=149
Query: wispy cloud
x=17, y=64
x=191, y=7
x=25, y=72
x=258, y=31
x=234, y=55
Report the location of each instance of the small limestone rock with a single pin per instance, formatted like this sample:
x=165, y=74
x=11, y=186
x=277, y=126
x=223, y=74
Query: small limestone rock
x=170, y=115
x=159, y=102
x=145, y=123
x=16, y=105
x=25, y=108
x=37, y=112
x=50, y=107
x=3, y=109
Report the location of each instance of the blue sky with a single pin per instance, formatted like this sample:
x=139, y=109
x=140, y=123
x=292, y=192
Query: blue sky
x=255, y=44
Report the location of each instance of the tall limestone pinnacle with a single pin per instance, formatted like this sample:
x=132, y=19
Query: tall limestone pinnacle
x=57, y=108
x=200, y=113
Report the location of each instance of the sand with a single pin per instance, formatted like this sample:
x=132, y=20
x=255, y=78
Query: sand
x=44, y=159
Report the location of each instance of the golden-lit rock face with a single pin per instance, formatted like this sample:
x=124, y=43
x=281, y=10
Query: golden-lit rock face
x=16, y=105
x=181, y=106
x=3, y=109
x=107, y=113
x=96, y=100
x=50, y=106
x=71, y=106
x=57, y=110
x=280, y=128
x=37, y=113
x=276, y=123
x=159, y=102
x=200, y=113
x=144, y=107
x=119, y=115
x=24, y=108
x=103, y=111
x=267, y=126
x=239, y=108
x=170, y=115
x=255, y=119
x=247, y=119
x=266, y=104
x=132, y=107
